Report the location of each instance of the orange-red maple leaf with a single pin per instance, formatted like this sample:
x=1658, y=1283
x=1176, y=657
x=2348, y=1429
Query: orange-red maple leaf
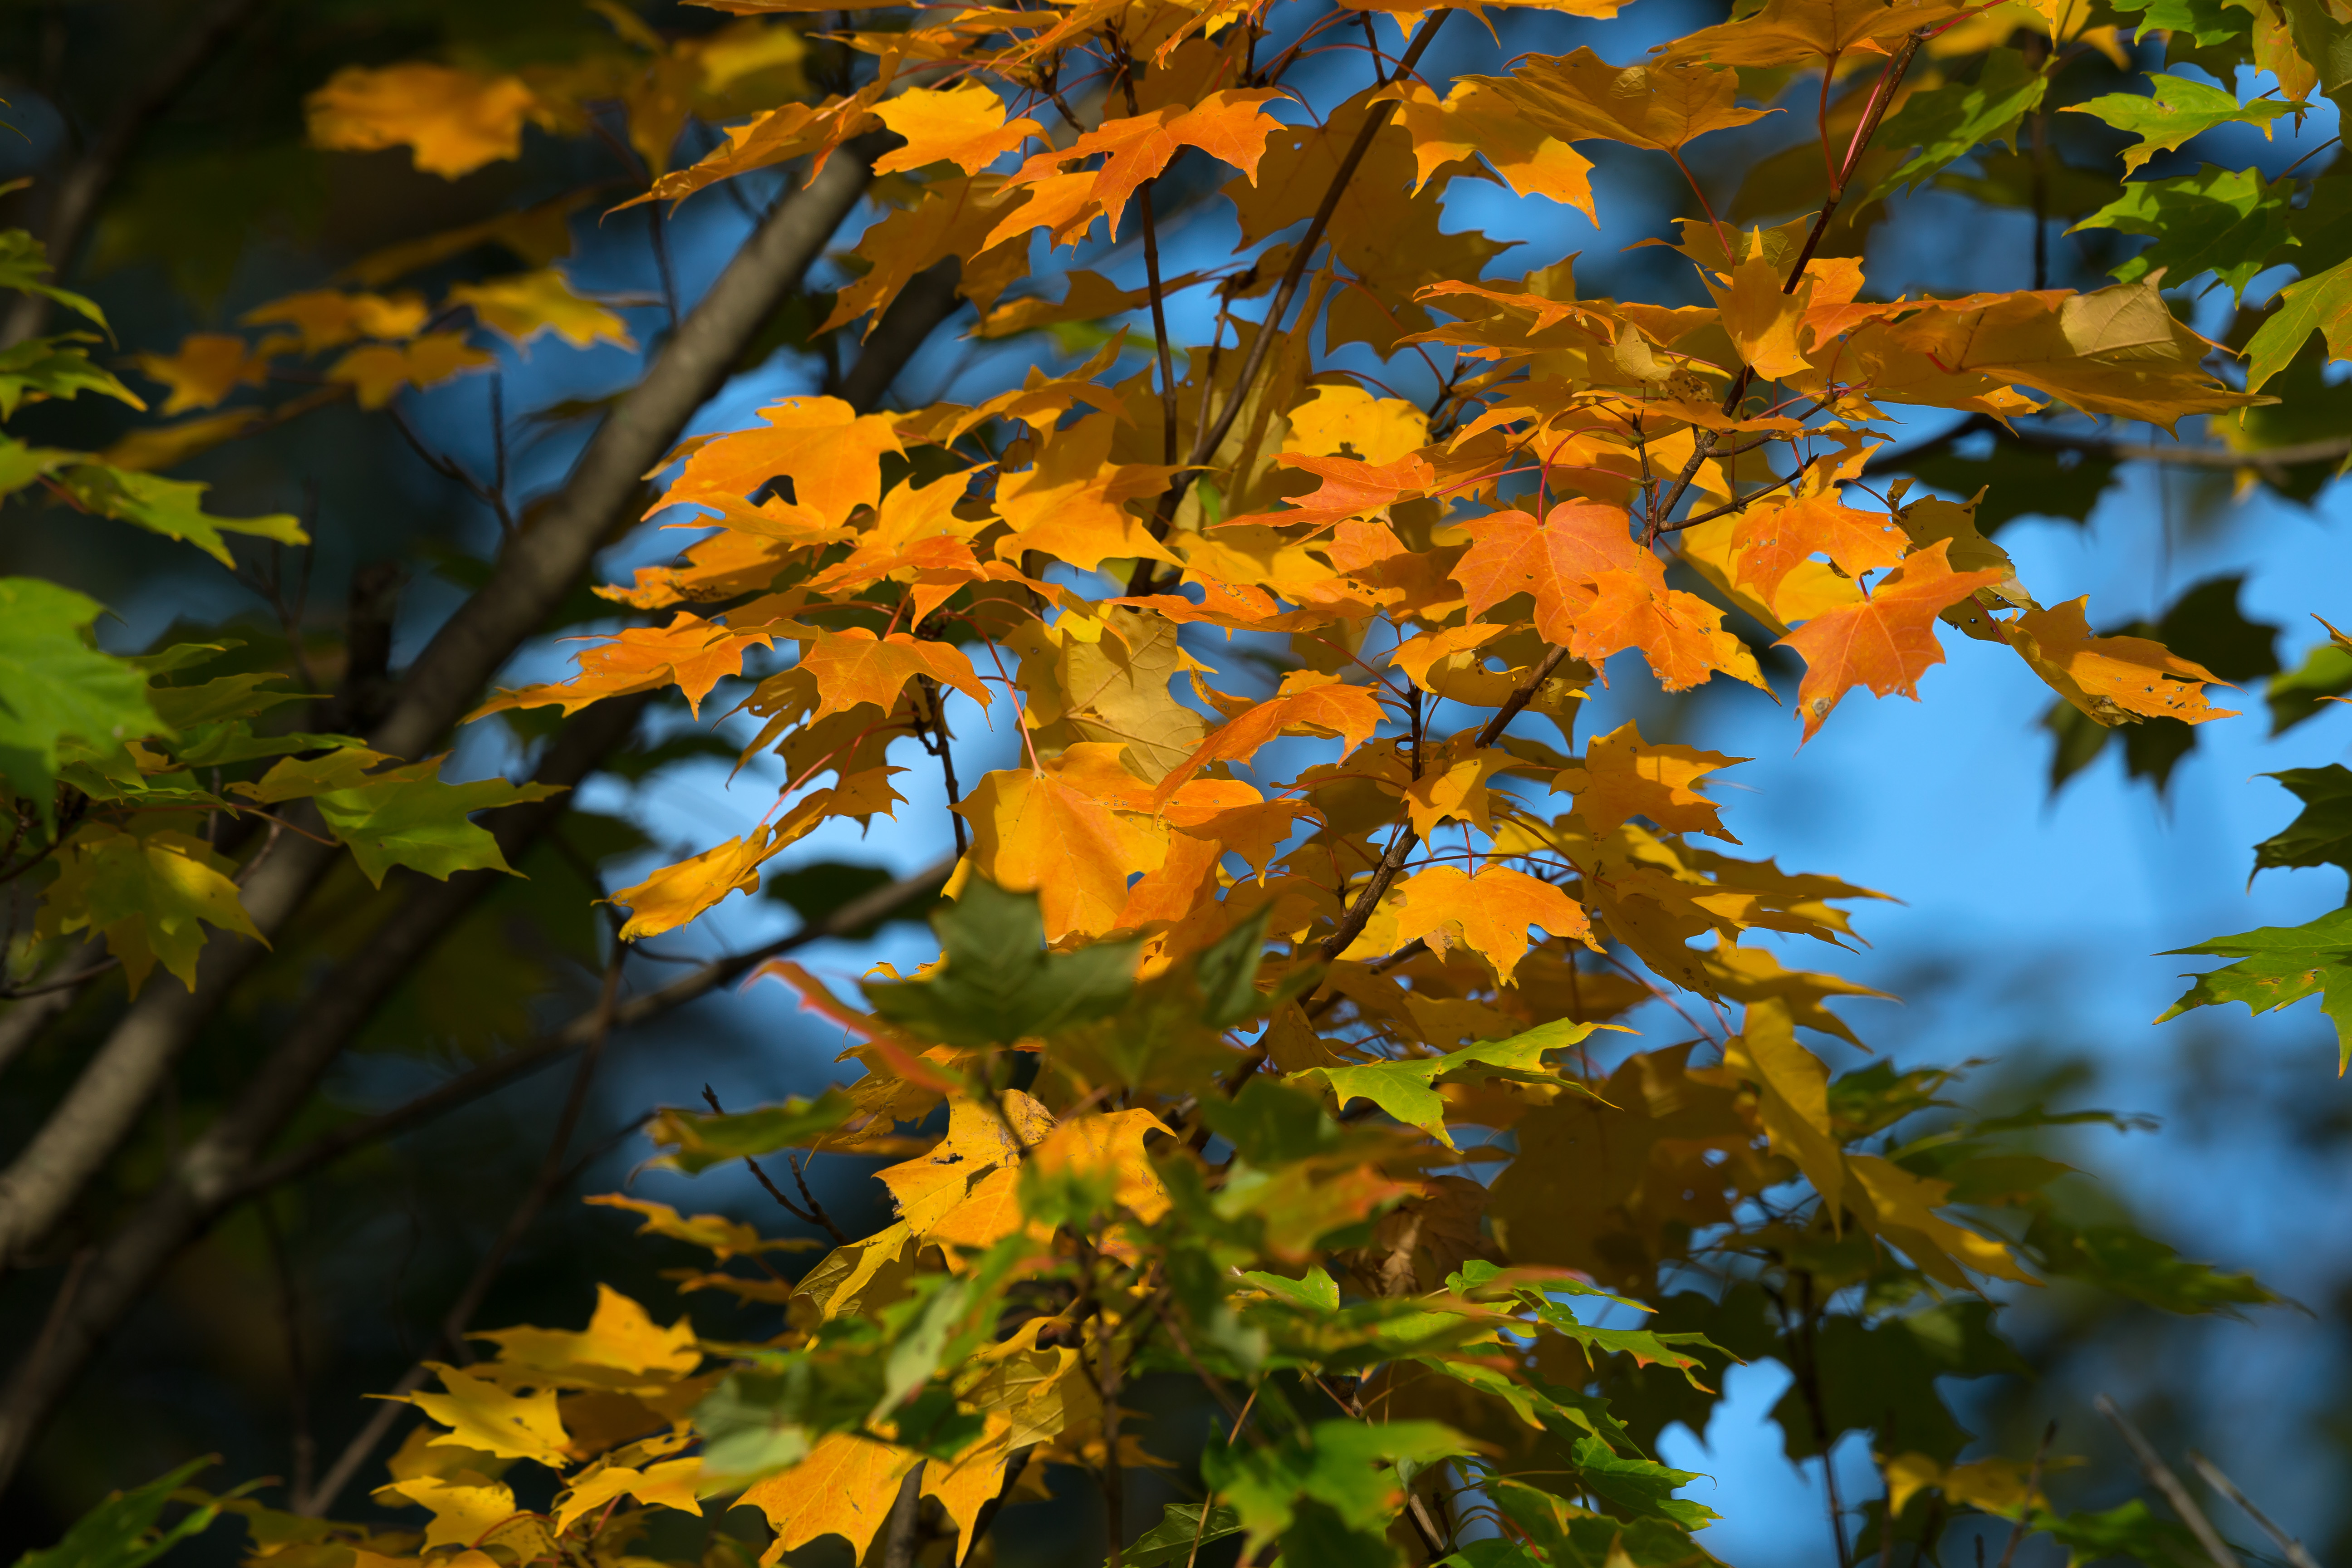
x=1887, y=641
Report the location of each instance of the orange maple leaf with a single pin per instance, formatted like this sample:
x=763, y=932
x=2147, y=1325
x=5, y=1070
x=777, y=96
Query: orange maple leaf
x=1597, y=592
x=1230, y=126
x=855, y=666
x=830, y=454
x=1350, y=489
x=1772, y=541
x=1489, y=912
x=1309, y=703
x=963, y=125
x=690, y=653
x=2115, y=680
x=1036, y=832
x=1887, y=641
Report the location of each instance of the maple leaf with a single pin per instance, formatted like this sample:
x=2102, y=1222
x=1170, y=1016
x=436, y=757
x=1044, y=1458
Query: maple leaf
x=1474, y=121
x=1071, y=502
x=329, y=317
x=1770, y=541
x=1766, y=322
x=669, y=1484
x=1033, y=832
x=1597, y=592
x=1350, y=489
x=843, y=1487
x=149, y=894
x=2175, y=110
x=2118, y=351
x=1307, y=704
x=522, y=307
x=1662, y=106
x=2320, y=303
x=1490, y=913
x=830, y=454
x=1348, y=421
x=1901, y=1210
x=854, y=665
x=1622, y=777
x=1782, y=31
x=1229, y=125
x=377, y=372
x=964, y=125
x=2278, y=966
x=483, y=1416
x=1793, y=1094
x=400, y=816
x=2115, y=680
x=209, y=367
x=1887, y=641
x=60, y=688
x=690, y=653
x=455, y=121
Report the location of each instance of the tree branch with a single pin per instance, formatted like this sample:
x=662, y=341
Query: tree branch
x=74, y=203
x=531, y=578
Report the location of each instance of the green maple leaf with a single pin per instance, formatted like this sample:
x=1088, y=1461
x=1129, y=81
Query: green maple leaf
x=2178, y=109
x=697, y=1139
x=2320, y=304
x=151, y=893
x=997, y=984
x=401, y=816
x=173, y=508
x=2279, y=966
x=2222, y=221
x=25, y=267
x=2325, y=672
x=1946, y=122
x=54, y=686
x=2322, y=836
x=46, y=368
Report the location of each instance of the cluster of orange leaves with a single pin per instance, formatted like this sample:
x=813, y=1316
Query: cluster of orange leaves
x=1094, y=559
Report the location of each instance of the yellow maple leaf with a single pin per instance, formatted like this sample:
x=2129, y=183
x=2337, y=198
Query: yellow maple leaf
x=1793, y=1094
x=209, y=367
x=1623, y=776
x=457, y=120
x=377, y=372
x=1348, y=421
x=1490, y=913
x=527, y=304
x=844, y=1487
x=669, y=1484
x=964, y=125
x=329, y=317
x=481, y=1415
x=1901, y=1210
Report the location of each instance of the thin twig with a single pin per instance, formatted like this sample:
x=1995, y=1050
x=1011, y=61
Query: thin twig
x=2294, y=1550
x=814, y=1214
x=2032, y=1485
x=2159, y=1475
x=1743, y=503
